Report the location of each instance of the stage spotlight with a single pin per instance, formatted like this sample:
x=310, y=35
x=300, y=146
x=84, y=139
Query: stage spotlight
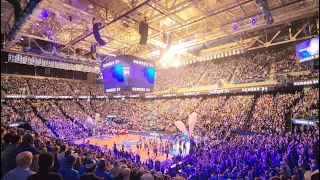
x=234, y=27
x=253, y=21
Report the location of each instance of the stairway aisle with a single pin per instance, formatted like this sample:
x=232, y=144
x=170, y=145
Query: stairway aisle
x=42, y=119
x=288, y=115
x=66, y=115
x=28, y=87
x=203, y=75
x=233, y=77
x=272, y=71
x=247, y=123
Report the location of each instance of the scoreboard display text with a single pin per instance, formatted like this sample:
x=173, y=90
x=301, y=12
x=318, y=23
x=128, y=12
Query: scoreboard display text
x=128, y=73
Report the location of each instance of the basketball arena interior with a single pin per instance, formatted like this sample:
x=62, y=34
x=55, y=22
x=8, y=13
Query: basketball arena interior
x=159, y=89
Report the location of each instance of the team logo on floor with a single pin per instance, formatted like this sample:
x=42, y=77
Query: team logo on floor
x=103, y=137
x=128, y=143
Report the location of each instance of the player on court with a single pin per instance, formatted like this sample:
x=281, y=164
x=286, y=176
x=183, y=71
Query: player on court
x=184, y=148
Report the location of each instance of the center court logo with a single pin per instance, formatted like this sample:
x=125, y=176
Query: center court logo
x=128, y=143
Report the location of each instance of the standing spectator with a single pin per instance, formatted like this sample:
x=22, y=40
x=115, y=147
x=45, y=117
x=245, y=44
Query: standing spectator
x=49, y=147
x=26, y=145
x=14, y=140
x=126, y=174
x=67, y=170
x=159, y=176
x=56, y=165
x=115, y=170
x=6, y=140
x=101, y=172
x=61, y=154
x=46, y=162
x=147, y=176
x=21, y=172
x=90, y=168
x=3, y=132
x=77, y=164
x=35, y=161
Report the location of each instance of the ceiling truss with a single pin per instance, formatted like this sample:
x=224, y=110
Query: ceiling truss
x=69, y=24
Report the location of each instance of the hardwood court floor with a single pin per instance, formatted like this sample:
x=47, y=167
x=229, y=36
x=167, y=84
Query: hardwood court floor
x=129, y=140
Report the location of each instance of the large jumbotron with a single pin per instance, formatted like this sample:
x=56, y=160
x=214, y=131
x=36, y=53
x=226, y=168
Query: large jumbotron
x=160, y=89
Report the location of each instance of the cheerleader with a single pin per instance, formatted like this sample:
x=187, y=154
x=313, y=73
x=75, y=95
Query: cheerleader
x=145, y=145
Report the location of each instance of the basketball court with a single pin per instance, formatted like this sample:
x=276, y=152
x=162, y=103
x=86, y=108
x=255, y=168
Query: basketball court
x=130, y=142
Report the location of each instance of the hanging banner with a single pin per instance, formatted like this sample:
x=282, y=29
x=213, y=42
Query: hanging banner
x=44, y=62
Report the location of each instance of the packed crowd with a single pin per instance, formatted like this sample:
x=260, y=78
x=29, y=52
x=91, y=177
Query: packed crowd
x=221, y=156
x=83, y=89
x=269, y=112
x=178, y=77
x=308, y=106
x=27, y=113
x=8, y=114
x=58, y=122
x=247, y=68
x=305, y=76
x=73, y=110
x=254, y=68
x=287, y=62
x=286, y=65
x=219, y=73
x=69, y=118
x=234, y=113
x=258, y=156
x=13, y=85
x=207, y=111
x=49, y=87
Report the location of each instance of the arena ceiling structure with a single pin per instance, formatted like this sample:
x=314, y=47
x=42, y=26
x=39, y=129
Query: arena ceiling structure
x=197, y=27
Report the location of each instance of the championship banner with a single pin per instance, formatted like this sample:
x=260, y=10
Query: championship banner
x=44, y=62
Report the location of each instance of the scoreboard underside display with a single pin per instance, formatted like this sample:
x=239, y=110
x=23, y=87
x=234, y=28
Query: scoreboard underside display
x=308, y=50
x=128, y=73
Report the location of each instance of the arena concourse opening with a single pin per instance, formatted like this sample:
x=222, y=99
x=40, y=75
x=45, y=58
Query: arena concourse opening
x=160, y=90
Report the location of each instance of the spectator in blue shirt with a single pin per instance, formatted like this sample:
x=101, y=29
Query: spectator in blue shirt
x=26, y=145
x=14, y=140
x=61, y=155
x=21, y=172
x=101, y=171
x=67, y=153
x=45, y=162
x=6, y=143
x=49, y=147
x=67, y=170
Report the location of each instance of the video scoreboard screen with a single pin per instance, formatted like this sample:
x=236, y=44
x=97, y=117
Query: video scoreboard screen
x=128, y=73
x=308, y=50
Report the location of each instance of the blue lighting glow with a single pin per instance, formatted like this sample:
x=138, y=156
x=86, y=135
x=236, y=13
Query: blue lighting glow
x=307, y=48
x=253, y=21
x=117, y=72
x=45, y=14
x=149, y=73
x=234, y=27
